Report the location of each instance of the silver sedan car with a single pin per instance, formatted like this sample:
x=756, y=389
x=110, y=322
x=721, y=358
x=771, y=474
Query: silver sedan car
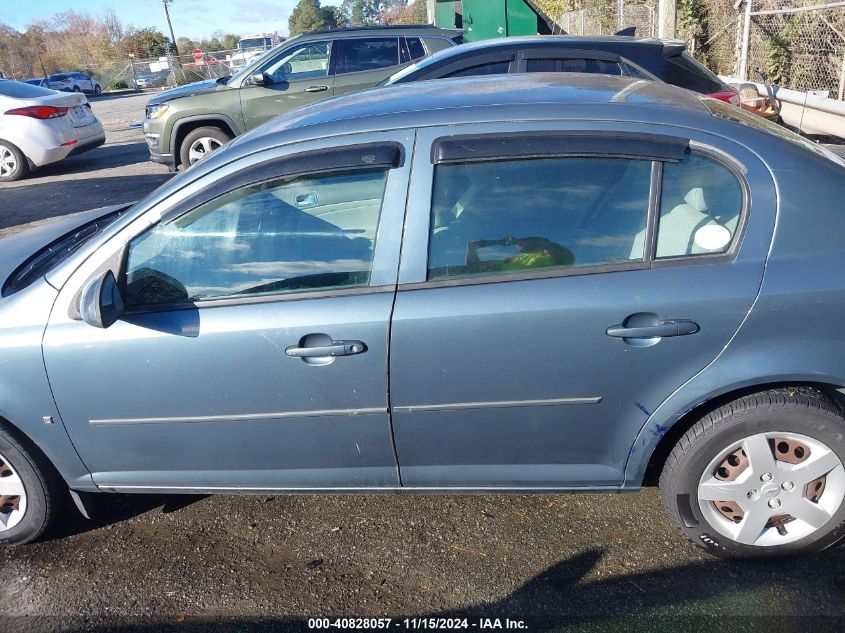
x=536, y=283
x=39, y=126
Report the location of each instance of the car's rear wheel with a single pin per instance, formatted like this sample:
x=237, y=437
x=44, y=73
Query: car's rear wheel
x=761, y=476
x=201, y=142
x=97, y=90
x=27, y=493
x=77, y=89
x=13, y=165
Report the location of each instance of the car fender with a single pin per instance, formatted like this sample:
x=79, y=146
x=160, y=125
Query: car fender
x=26, y=399
x=211, y=118
x=749, y=363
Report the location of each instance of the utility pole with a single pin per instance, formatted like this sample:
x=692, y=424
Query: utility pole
x=666, y=15
x=169, y=23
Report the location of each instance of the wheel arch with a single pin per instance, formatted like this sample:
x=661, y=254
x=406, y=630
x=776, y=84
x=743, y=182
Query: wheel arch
x=657, y=439
x=51, y=445
x=186, y=125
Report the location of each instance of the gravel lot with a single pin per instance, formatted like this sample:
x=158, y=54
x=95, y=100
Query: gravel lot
x=259, y=563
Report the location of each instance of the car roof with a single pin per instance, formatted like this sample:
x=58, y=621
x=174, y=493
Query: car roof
x=504, y=91
x=421, y=29
x=532, y=96
x=625, y=45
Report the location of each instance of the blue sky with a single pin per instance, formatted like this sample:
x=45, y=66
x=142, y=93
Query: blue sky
x=191, y=18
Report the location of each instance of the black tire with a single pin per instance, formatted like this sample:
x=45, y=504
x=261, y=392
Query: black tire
x=41, y=486
x=77, y=89
x=194, y=135
x=97, y=90
x=799, y=410
x=22, y=166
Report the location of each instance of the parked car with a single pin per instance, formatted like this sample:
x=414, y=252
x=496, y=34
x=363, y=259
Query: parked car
x=37, y=81
x=39, y=126
x=185, y=124
x=599, y=277
x=74, y=82
x=152, y=79
x=646, y=58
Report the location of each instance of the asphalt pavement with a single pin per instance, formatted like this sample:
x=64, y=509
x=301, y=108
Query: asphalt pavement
x=266, y=563
x=117, y=172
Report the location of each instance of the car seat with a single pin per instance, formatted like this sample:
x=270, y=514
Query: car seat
x=677, y=228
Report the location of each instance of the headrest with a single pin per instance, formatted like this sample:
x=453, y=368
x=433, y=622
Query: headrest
x=695, y=199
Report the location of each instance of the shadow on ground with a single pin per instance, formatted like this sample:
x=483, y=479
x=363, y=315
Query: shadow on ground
x=54, y=198
x=558, y=598
x=110, y=509
x=105, y=156
x=565, y=596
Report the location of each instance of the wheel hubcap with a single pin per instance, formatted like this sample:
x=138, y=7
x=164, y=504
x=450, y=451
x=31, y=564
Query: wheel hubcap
x=772, y=488
x=202, y=147
x=12, y=496
x=8, y=163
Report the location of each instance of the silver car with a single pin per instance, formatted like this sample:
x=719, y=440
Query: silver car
x=534, y=283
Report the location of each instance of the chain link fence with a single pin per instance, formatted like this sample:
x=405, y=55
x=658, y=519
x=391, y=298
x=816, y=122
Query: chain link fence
x=168, y=71
x=606, y=18
x=799, y=44
x=799, y=47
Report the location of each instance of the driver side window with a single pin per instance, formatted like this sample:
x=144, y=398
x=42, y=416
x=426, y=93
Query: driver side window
x=293, y=234
x=307, y=61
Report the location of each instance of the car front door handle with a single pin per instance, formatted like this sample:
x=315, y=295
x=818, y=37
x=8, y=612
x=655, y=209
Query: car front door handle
x=336, y=348
x=671, y=327
x=316, y=88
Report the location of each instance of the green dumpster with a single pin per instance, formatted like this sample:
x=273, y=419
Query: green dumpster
x=484, y=19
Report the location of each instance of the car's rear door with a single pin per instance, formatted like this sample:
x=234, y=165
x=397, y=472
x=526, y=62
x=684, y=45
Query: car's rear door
x=296, y=77
x=253, y=352
x=537, y=323
x=85, y=84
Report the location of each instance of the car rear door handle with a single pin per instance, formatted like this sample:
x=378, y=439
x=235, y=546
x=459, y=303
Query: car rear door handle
x=336, y=348
x=316, y=88
x=671, y=327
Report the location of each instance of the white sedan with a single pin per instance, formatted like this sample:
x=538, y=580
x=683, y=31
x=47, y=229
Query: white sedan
x=39, y=126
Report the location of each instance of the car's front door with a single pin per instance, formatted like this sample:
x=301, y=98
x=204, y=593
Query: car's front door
x=295, y=78
x=537, y=323
x=253, y=350
x=363, y=62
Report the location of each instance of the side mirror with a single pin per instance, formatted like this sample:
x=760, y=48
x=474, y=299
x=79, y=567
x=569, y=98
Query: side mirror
x=100, y=303
x=257, y=79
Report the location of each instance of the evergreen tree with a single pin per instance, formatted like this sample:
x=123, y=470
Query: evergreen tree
x=306, y=16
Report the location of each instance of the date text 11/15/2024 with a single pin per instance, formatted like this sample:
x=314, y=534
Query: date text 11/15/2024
x=423, y=623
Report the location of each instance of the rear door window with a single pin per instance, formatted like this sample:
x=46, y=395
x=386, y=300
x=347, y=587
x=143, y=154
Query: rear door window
x=572, y=65
x=370, y=53
x=491, y=68
x=526, y=215
x=415, y=49
x=700, y=206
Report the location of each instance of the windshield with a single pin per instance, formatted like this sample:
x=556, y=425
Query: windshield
x=254, y=42
x=49, y=257
x=260, y=60
x=20, y=90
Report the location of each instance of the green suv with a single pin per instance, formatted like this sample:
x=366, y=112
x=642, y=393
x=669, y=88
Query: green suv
x=183, y=125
